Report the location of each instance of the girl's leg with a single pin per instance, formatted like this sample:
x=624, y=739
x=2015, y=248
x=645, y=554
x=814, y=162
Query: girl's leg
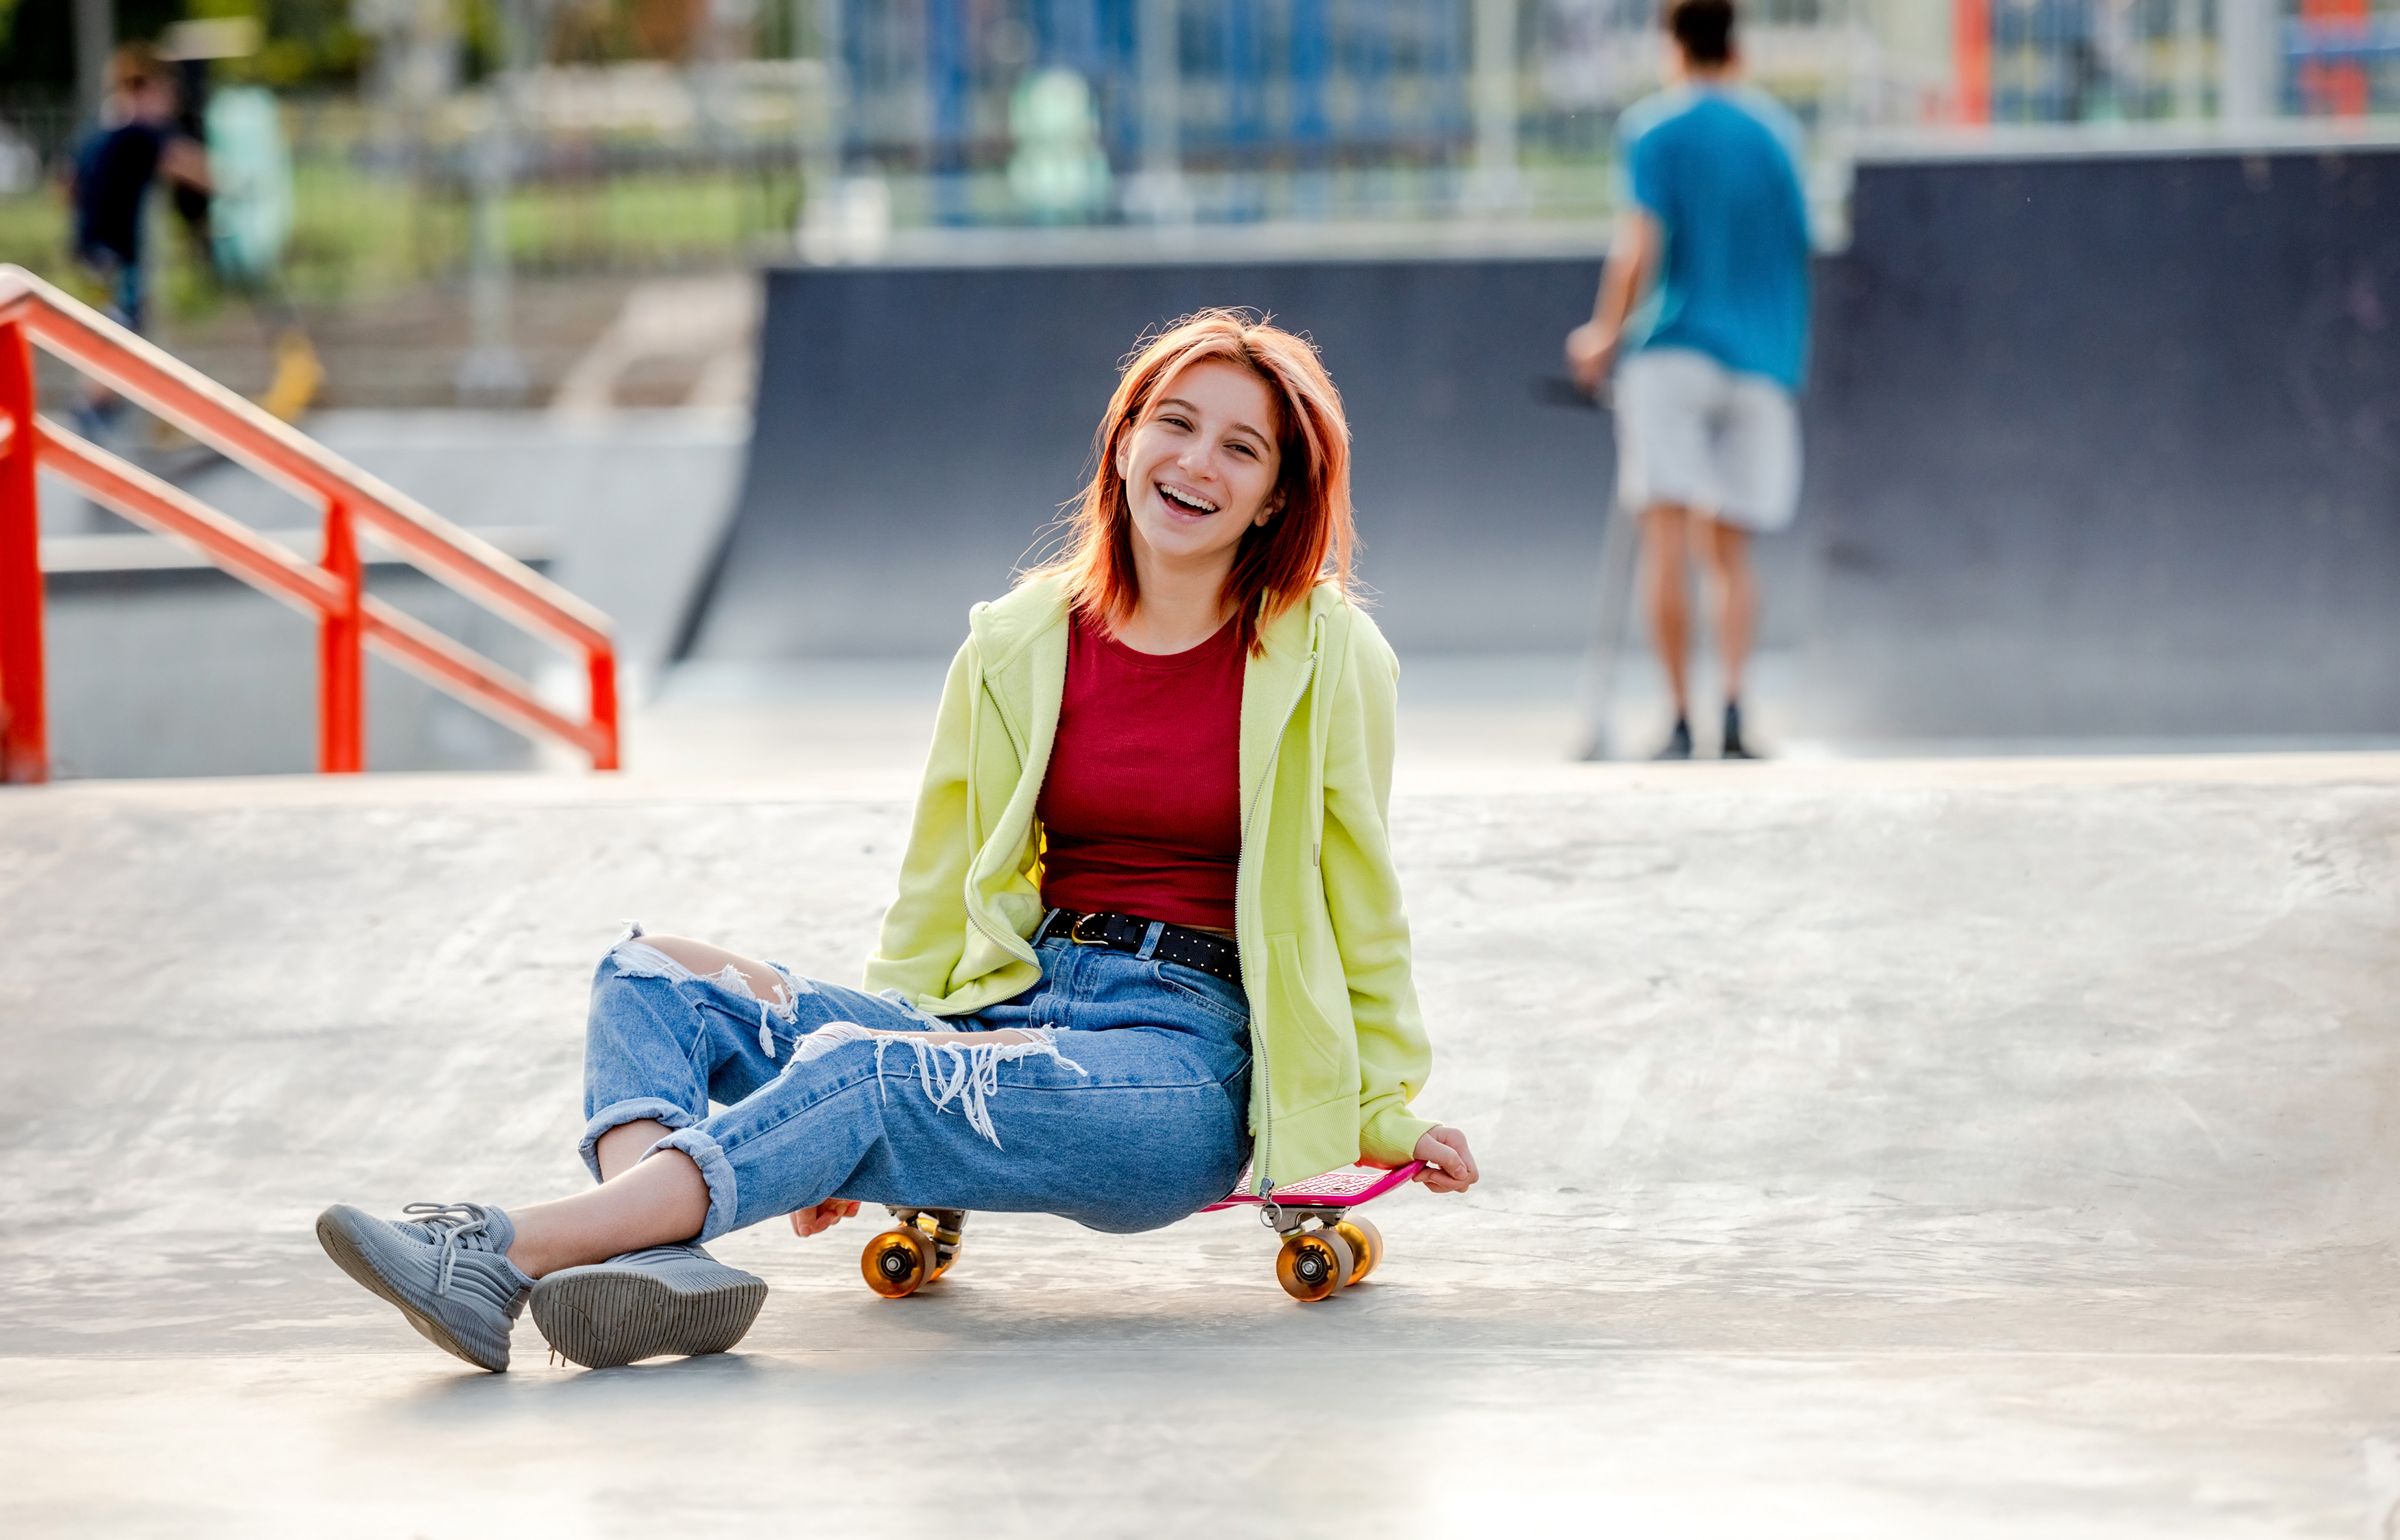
x=655, y=1202
x=617, y=1151
x=1142, y=1125
x=665, y=1199
x=665, y=1040
x=664, y=1037
x=678, y=1023
x=1119, y=1129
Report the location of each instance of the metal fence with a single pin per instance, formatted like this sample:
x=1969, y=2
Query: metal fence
x=1011, y=112
x=1427, y=107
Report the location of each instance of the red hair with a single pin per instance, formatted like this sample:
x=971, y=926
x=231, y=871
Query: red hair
x=1309, y=539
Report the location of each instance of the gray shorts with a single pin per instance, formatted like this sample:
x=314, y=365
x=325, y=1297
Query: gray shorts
x=1691, y=431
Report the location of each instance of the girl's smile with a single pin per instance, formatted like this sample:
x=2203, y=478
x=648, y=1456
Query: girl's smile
x=1200, y=467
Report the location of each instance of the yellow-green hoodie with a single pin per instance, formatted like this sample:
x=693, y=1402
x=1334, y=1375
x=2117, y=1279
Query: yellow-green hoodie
x=1338, y=1048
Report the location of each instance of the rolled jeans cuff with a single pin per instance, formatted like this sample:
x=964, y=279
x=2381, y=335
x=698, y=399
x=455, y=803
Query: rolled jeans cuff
x=617, y=1114
x=714, y=1169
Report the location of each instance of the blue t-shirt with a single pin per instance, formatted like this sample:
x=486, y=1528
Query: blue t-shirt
x=1718, y=167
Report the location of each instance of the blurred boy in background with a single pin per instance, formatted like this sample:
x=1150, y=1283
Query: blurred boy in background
x=137, y=141
x=1706, y=296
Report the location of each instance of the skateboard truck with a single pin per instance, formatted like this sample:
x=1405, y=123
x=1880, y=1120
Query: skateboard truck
x=1326, y=1248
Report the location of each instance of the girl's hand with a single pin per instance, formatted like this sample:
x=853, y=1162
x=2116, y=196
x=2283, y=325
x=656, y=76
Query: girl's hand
x=1449, y=1167
x=819, y=1218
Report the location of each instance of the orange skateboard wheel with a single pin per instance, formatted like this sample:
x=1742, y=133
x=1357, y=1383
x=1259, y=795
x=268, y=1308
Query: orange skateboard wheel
x=1366, y=1244
x=1314, y=1265
x=897, y=1263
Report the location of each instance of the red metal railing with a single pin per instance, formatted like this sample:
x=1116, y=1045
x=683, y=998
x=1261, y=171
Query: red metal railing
x=349, y=621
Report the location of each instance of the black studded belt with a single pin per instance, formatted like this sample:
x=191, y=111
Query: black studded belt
x=1126, y=933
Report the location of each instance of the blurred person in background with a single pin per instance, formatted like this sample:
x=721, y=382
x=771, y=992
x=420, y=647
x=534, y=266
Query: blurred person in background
x=138, y=140
x=1703, y=308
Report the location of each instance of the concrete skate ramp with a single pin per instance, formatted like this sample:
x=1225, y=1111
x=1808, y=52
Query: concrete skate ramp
x=2110, y=446
x=1879, y=1150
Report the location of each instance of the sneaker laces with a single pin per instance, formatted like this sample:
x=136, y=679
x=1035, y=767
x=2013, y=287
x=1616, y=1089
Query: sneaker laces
x=453, y=1226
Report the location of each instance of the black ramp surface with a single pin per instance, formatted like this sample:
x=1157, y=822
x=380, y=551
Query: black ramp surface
x=2110, y=446
x=917, y=427
x=2101, y=445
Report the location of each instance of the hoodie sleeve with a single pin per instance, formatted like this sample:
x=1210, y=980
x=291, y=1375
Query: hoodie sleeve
x=1362, y=896
x=925, y=928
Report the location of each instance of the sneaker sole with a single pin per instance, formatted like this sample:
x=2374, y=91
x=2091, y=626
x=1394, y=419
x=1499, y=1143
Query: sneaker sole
x=603, y=1317
x=351, y=1258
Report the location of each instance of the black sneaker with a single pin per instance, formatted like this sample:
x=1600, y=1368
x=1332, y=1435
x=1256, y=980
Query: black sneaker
x=1679, y=742
x=1731, y=746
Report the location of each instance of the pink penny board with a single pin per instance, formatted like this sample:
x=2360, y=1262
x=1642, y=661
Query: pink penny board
x=1334, y=1190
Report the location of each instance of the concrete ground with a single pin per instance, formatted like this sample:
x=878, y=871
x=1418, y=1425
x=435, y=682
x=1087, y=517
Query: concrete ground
x=1963, y=1147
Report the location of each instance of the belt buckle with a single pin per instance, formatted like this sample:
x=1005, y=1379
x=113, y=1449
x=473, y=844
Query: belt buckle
x=1075, y=931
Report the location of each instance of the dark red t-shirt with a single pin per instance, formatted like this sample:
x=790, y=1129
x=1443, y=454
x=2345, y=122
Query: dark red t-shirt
x=1142, y=806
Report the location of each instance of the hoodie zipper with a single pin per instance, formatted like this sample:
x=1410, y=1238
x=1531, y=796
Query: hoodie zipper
x=1264, y=1163
x=1012, y=942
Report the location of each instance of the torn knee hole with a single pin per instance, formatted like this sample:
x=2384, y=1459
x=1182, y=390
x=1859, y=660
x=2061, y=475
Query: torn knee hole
x=739, y=974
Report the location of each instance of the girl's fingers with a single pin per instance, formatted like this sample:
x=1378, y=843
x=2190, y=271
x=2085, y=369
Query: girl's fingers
x=1452, y=1171
x=817, y=1218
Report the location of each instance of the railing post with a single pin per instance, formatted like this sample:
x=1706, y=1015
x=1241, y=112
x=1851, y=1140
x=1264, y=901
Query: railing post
x=24, y=711
x=604, y=707
x=1970, y=45
x=341, y=652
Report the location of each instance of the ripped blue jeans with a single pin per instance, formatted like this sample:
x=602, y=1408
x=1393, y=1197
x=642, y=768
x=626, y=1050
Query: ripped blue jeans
x=1127, y=1110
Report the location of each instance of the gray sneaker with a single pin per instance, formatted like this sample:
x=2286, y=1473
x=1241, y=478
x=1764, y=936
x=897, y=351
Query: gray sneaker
x=667, y=1299
x=449, y=1271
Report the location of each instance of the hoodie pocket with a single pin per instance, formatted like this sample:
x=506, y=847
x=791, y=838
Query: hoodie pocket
x=1316, y=1050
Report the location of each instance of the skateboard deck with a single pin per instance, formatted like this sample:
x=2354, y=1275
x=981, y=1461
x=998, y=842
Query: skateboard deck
x=1345, y=1189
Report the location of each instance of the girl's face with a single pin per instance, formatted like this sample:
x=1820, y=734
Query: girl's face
x=1200, y=467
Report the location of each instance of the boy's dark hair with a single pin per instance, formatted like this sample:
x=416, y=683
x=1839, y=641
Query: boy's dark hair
x=134, y=65
x=1704, y=28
